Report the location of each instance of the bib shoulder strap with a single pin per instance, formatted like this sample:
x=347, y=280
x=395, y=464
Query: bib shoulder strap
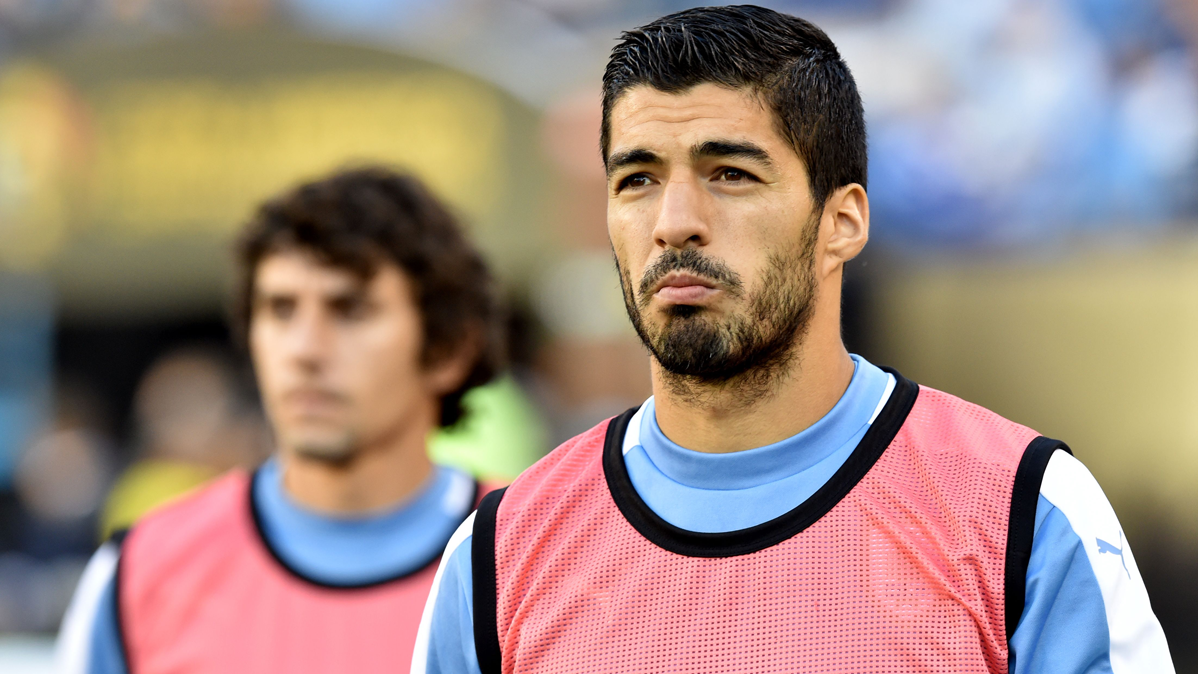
x=482, y=564
x=117, y=538
x=1025, y=495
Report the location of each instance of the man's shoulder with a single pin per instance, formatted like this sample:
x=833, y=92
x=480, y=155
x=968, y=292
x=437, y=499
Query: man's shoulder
x=199, y=519
x=577, y=459
x=954, y=425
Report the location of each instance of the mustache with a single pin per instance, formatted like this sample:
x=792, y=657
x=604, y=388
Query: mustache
x=692, y=261
x=317, y=392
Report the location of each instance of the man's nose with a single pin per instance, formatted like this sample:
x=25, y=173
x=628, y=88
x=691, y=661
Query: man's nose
x=308, y=338
x=683, y=214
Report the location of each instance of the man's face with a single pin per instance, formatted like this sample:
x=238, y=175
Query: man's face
x=338, y=359
x=711, y=219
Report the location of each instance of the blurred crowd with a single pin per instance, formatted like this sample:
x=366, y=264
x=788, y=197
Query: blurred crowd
x=1016, y=123
x=73, y=485
x=993, y=123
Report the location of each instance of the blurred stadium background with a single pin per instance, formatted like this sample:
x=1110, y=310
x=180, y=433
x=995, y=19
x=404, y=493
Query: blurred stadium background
x=1034, y=182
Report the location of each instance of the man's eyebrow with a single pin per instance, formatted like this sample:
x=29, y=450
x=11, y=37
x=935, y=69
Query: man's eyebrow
x=263, y=295
x=628, y=157
x=731, y=148
x=357, y=294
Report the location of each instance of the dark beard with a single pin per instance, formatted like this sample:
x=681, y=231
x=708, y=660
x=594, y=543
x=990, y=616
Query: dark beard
x=749, y=351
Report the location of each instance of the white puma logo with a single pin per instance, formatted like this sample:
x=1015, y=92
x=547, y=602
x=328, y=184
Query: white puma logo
x=1103, y=546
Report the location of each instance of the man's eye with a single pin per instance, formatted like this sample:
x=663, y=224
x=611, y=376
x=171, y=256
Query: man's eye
x=280, y=308
x=732, y=175
x=635, y=180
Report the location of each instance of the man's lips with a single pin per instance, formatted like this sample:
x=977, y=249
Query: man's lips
x=682, y=288
x=308, y=401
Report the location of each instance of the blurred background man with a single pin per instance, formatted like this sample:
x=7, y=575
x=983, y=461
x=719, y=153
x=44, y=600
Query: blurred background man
x=368, y=317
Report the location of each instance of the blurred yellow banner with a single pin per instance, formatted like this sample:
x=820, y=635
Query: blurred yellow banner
x=136, y=159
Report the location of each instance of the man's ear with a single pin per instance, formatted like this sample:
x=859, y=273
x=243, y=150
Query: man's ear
x=846, y=213
x=447, y=369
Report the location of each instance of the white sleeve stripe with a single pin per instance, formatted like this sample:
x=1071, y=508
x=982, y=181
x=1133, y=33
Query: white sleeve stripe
x=420, y=653
x=632, y=435
x=890, y=384
x=459, y=496
x=1137, y=641
x=71, y=653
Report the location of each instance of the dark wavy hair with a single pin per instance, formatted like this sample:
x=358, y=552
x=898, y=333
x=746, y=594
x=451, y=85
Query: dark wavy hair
x=360, y=218
x=789, y=62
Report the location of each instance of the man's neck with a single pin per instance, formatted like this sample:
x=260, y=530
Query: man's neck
x=718, y=421
x=375, y=478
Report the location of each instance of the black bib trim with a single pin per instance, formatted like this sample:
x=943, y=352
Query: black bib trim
x=261, y=531
x=1025, y=495
x=767, y=534
x=117, y=538
x=485, y=594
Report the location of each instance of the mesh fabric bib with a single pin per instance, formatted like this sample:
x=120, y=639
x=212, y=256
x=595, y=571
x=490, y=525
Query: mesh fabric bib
x=199, y=590
x=899, y=564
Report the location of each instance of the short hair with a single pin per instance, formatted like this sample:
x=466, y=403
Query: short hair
x=361, y=218
x=790, y=62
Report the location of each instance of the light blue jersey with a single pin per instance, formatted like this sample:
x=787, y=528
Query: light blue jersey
x=336, y=551
x=1086, y=609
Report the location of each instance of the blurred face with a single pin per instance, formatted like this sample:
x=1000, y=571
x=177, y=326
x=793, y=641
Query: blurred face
x=338, y=359
x=711, y=219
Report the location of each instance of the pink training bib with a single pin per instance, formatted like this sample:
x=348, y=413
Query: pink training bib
x=898, y=564
x=199, y=591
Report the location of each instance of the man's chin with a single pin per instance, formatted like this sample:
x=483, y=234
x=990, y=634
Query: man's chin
x=664, y=322
x=331, y=447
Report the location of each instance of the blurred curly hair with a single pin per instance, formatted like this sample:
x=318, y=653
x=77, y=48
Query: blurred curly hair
x=358, y=219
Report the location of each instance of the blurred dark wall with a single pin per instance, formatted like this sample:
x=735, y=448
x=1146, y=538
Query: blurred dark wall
x=109, y=359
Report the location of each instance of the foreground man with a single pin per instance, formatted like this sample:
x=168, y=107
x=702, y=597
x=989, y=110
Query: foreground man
x=778, y=505
x=369, y=316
